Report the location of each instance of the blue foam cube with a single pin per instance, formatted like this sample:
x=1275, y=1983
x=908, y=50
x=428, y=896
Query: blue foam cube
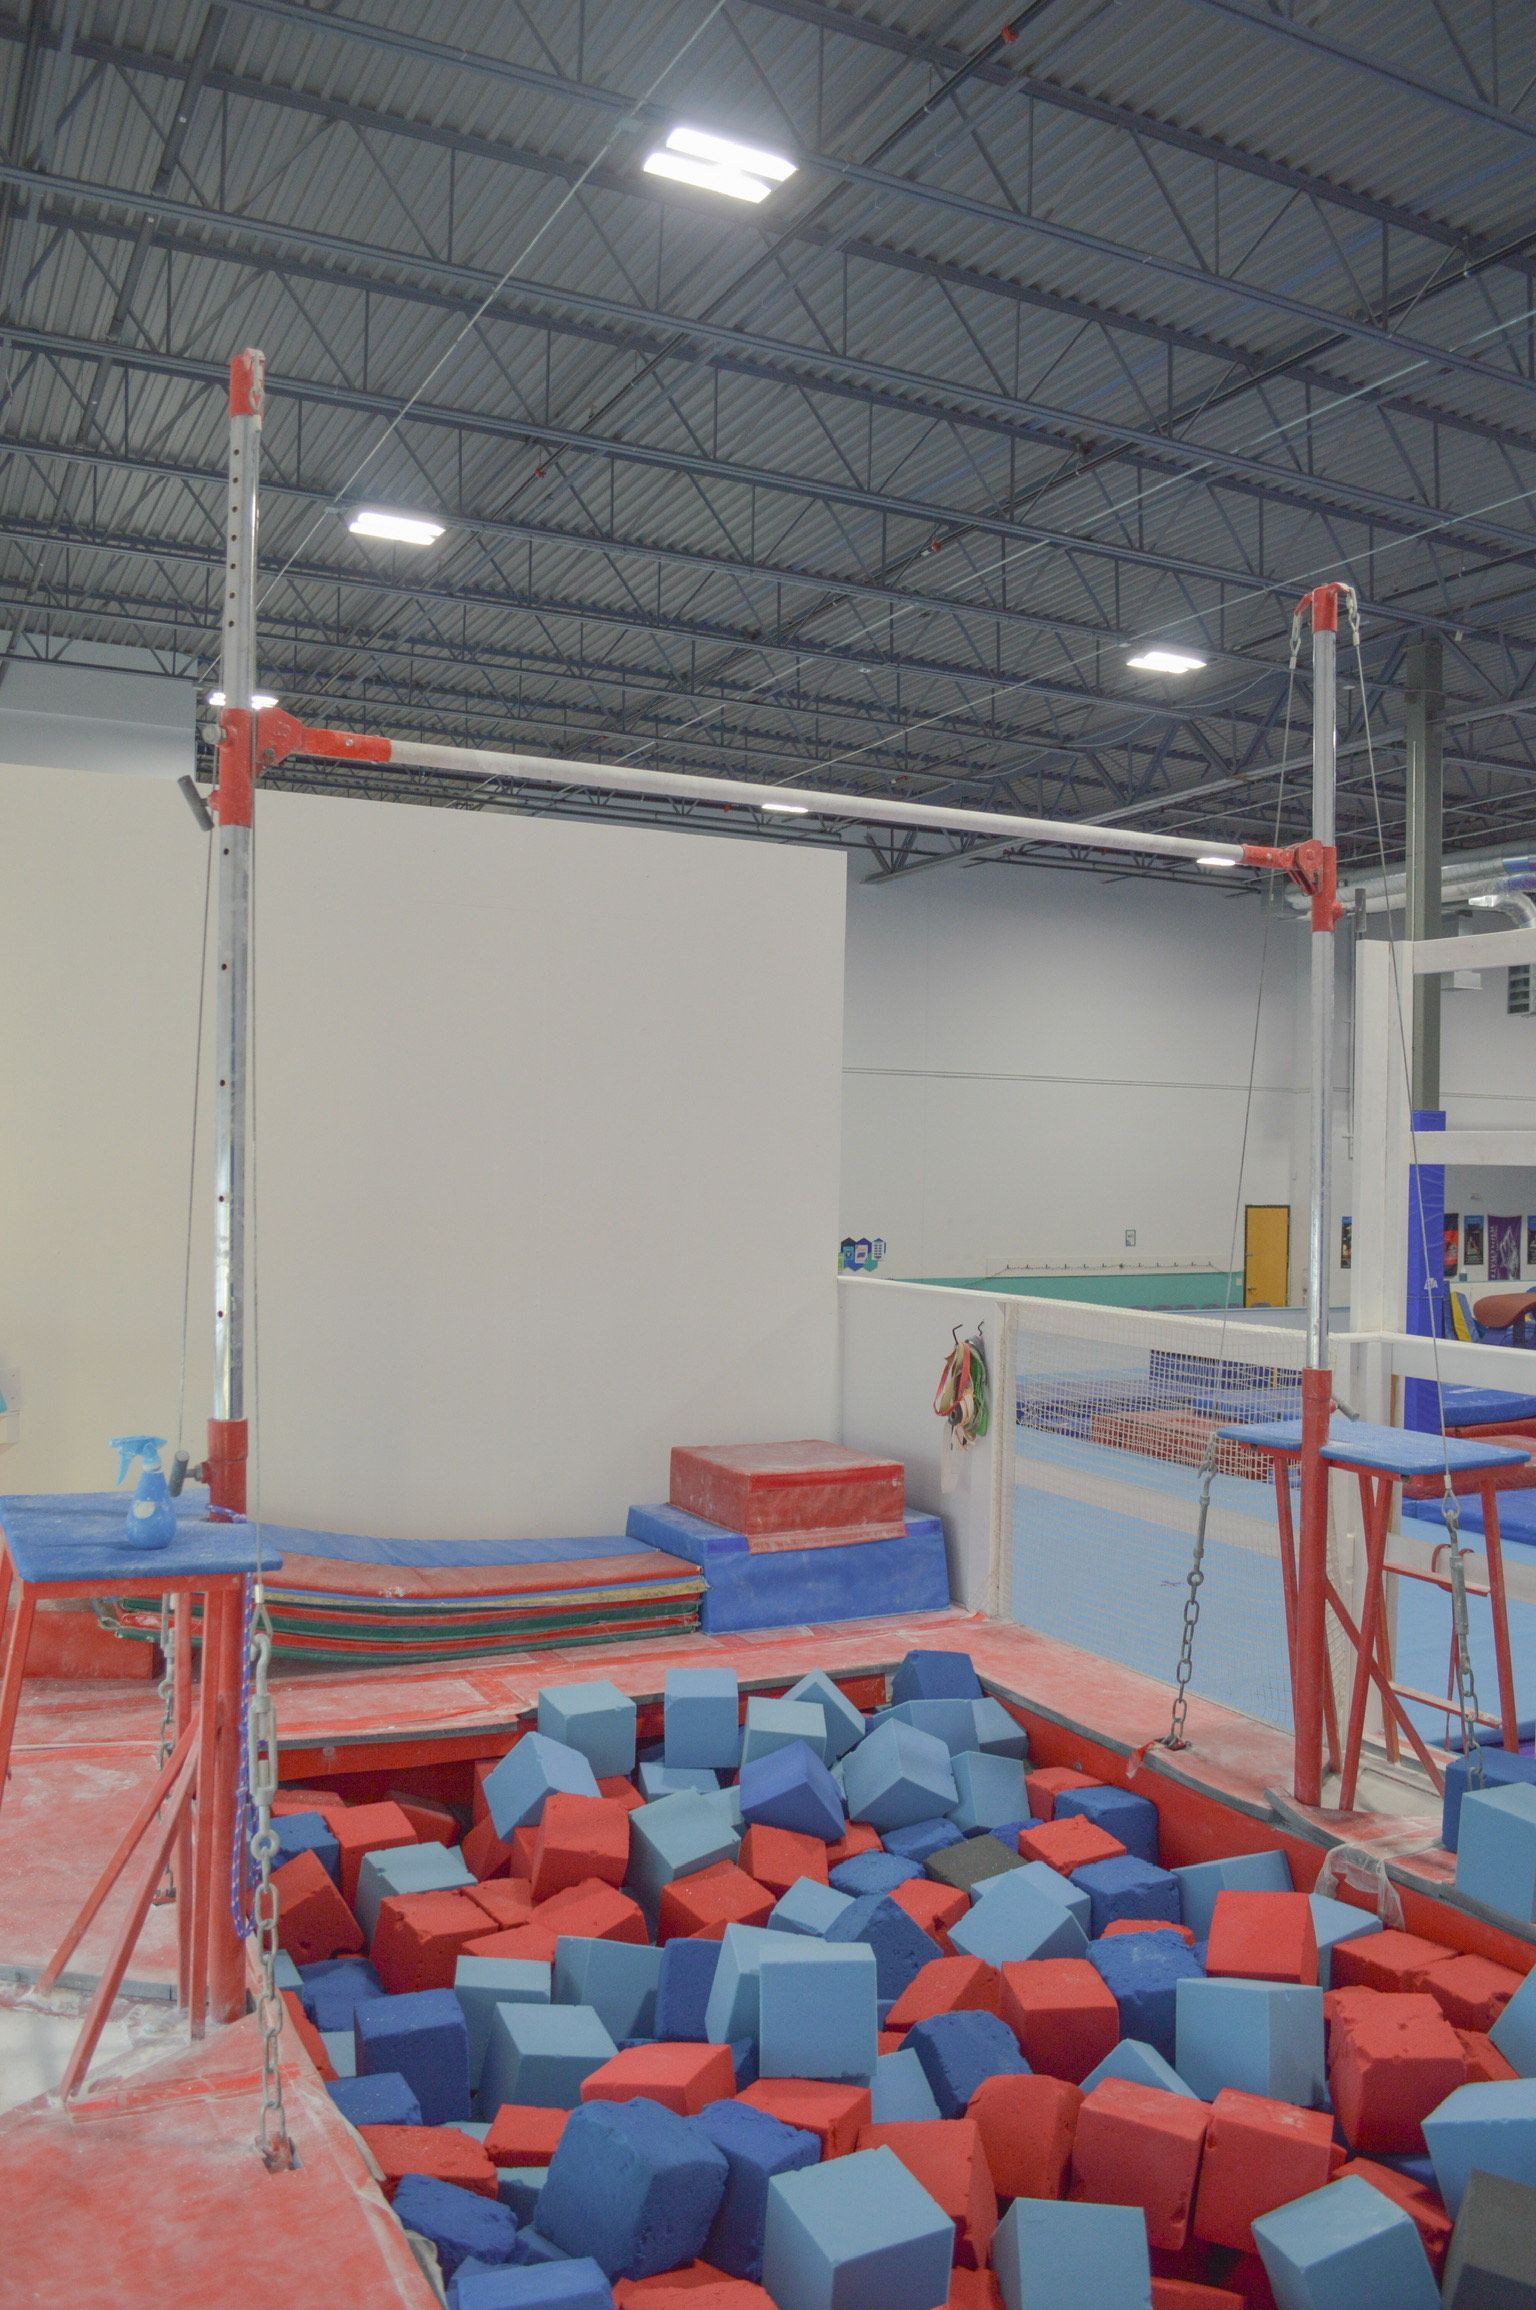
x=534, y=2251
x=555, y=2282
x=732, y=2009
x=384, y=2100
x=1333, y=1922
x=995, y=1732
x=898, y=1774
x=618, y=1979
x=529, y=1774
x=1045, y=1880
x=951, y=1721
x=773, y=1724
x=423, y=2036
x=683, y=1983
x=674, y=1836
x=659, y=1780
x=1017, y=1918
x=817, y=2013
x=1122, y=1886
x=1263, y=2037
x=541, y=2054
x=1496, y=1850
x=1139, y=2064
x=331, y=1990
x=873, y=1873
x=917, y=1839
x=900, y=2092
x=1142, y=1972
x=855, y=2233
x=340, y=2051
x=1061, y=2254
x=989, y=1789
x=519, y=2187
x=307, y=1833
x=406, y=1869
x=789, y=1787
x=900, y=1945
x=1346, y=2247
x=1201, y=1881
x=755, y=2147
x=633, y=2185
x=1118, y=1812
x=959, y=2050
x=1486, y=2128
x=458, y=2222
x=807, y=1907
x=845, y=1723
x=595, y=1718
x=701, y=1718
x=1514, y=2033
x=1501, y=1769
x=936, y=1676
x=744, y=2061
x=482, y=1983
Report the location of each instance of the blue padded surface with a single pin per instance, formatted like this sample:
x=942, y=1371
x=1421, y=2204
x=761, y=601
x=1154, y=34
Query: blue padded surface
x=1517, y=1516
x=779, y=1588
x=1386, y=1451
x=356, y=1548
x=83, y=1536
x=1463, y=1407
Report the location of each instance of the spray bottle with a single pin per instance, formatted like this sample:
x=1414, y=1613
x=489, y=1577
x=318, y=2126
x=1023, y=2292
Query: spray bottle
x=151, y=1518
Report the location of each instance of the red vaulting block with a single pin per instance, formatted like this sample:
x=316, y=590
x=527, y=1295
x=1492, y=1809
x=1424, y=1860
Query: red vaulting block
x=619, y=1791
x=484, y=1852
x=521, y=2135
x=595, y=1911
x=858, y=1837
x=1147, y=1925
x=933, y=1906
x=1062, y=2012
x=1386, y=2071
x=507, y=1901
x=367, y=1829
x=779, y=1858
x=313, y=1921
x=1388, y=1961
x=440, y=2151
x=1471, y=1991
x=946, y=2156
x=1139, y=2146
x=419, y=1936
x=1415, y=2198
x=833, y=2113
x=1259, y=2154
x=794, y=1487
x=1027, y=2126
x=1041, y=1789
x=1263, y=1937
x=680, y=2077
x=1485, y=2064
x=699, y=2286
x=579, y=1839
x=947, y=1985
x=1070, y=1844
x=701, y=1906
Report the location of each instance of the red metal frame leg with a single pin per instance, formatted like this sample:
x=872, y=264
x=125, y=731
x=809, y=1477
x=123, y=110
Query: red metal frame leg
x=1376, y=1504
x=1287, y=1526
x=1493, y=1548
x=132, y=1837
x=1311, y=1669
x=226, y=1950
x=16, y=1643
x=128, y=1932
x=181, y=1861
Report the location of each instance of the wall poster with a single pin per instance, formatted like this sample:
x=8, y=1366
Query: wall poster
x=1503, y=1249
x=1472, y=1240
x=1452, y=1243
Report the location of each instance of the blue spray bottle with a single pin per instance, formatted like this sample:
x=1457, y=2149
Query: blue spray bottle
x=151, y=1518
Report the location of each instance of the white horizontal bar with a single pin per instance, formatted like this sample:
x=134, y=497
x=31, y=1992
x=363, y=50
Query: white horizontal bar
x=1458, y=1362
x=1484, y=950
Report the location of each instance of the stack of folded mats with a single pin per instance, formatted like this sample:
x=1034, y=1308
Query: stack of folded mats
x=813, y=2011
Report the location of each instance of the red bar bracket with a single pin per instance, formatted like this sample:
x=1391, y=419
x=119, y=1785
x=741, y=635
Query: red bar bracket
x=251, y=743
x=228, y=1448
x=1312, y=866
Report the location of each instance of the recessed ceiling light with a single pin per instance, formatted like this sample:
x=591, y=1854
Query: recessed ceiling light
x=1165, y=662
x=788, y=809
x=260, y=699
x=1213, y=860
x=743, y=172
x=399, y=528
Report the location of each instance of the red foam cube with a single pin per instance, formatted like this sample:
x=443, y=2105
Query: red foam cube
x=479, y=1810
x=1042, y=1788
x=933, y=1906
x=1248, y=2279
x=1073, y=1843
x=681, y=2077
x=1415, y=2198
x=1139, y=2146
x=535, y=1942
x=1389, y=1961
x=419, y=1937
x=1027, y=2125
x=1263, y=1937
x=1189, y=2294
x=779, y=1858
x=1259, y=2154
x=1340, y=2006
x=973, y=2290
x=1147, y=1925
x=439, y=2151
x=620, y=1791
x=947, y=1985
x=890, y=2040
x=434, y=1823
x=485, y=1854
x=524, y=1843
x=857, y=1837
x=697, y=2286
x=579, y=1839
x=522, y=2135
x=1062, y=2012
x=1386, y=2071
x=833, y=2113
x=700, y=1906
x=367, y=1829
x=1471, y=1991
x=313, y=1921
x=507, y=1901
x=595, y=1911
x=946, y=2156
x=1485, y=2064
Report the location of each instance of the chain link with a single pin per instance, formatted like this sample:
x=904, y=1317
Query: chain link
x=272, y=2138
x=1461, y=1639
x=167, y=1890
x=1175, y=1738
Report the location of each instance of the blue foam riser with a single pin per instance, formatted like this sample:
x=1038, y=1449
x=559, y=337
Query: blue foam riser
x=780, y=1588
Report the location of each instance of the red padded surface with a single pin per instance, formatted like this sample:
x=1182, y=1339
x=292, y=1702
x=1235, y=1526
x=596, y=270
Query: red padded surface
x=805, y=1488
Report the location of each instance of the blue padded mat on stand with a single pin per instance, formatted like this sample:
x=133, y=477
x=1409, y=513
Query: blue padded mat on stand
x=1464, y=1407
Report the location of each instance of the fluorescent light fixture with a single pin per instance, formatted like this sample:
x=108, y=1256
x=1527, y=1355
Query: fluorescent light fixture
x=1213, y=861
x=1483, y=898
x=260, y=699
x=743, y=172
x=1165, y=662
x=399, y=528
x=788, y=809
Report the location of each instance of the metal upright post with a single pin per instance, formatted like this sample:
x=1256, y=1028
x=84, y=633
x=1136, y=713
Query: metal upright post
x=1426, y=845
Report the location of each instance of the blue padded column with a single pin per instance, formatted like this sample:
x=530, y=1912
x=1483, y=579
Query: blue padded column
x=1425, y=1282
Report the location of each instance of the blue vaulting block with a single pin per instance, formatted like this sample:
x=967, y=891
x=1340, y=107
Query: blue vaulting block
x=674, y=1836
x=846, y=1725
x=618, y=1979
x=1119, y=1812
x=958, y=2050
x=1483, y=2128
x=1053, y=2254
x=989, y=1789
x=633, y=2185
x=874, y=1873
x=1125, y=1887
x=785, y=1587
x=900, y=2091
x=458, y=2222
x=332, y=1990
x=529, y=1774
x=898, y=1774
x=482, y=1983
x=595, y=1718
x=917, y=1839
x=773, y=1724
x=817, y=2009
x=1139, y=2064
x=683, y=1984
x=1514, y=2033
x=1496, y=1850
x=1262, y=2037
x=537, y=2284
x=701, y=1718
x=1017, y=1918
x=857, y=2233
x=423, y=2036
x=1200, y=1883
x=936, y=1676
x=406, y=1869
x=900, y=1945
x=790, y=1787
x=541, y=2054
x=732, y=2009
x=383, y=2100
x=1347, y=2247
x=307, y=1833
x=755, y=2147
x=1501, y=1769
x=807, y=1907
x=1142, y=1972
x=995, y=1732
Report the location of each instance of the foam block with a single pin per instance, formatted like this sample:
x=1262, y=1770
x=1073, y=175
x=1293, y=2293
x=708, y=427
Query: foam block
x=1063, y=2013
x=1259, y=2154
x=1514, y=2032
x=481, y=1984
x=900, y=2089
x=817, y=2012
x=1420, y=2200
x=732, y=2009
x=1263, y=1937
x=1050, y=1882
x=873, y=1873
x=1471, y=1991
x=789, y=1787
x=1068, y=1844
x=541, y=2054
x=1126, y=1887
x=846, y=1725
x=341, y=2052
x=901, y=1947
x=774, y=1724
x=1143, y=2065
x=595, y=1718
x=857, y=1837
x=936, y=1675
x=862, y=2234
x=314, y=1921
x=946, y=2156
x=307, y=1833
x=617, y=1979
x=1017, y=1919
x=672, y=1837
x=1345, y=2247
x=932, y=1907
x=424, y=2037
x=634, y=2186
x=1052, y=2255
x=1501, y=1769
x=1027, y=2126
x=521, y=2134
x=1387, y=2070
x=918, y=1839
x=1045, y=1784
x=1261, y=2037
x=967, y=1863
x=1487, y=2128
x=1201, y=1881
x=683, y=2078
x=779, y=1858
x=1333, y=1922
x=441, y=2151
x=660, y=1780
x=959, y=2050
x=382, y=2100
x=578, y=1839
x=701, y=1716
x=593, y=1911
x=683, y=1983
x=398, y=1869
x=1496, y=1850
x=563, y=2285
x=896, y=1775
x=1138, y=2146
x=706, y=1902
x=1492, y=2260
x=457, y=2222
x=1387, y=1960
x=833, y=2113
x=948, y=1985
x=996, y=1733
x=756, y=2147
x=419, y=1936
x=1125, y=1816
x=990, y=1789
x=1142, y=1972
x=951, y=1721
x=530, y=1773
x=807, y=1907
x=360, y=1829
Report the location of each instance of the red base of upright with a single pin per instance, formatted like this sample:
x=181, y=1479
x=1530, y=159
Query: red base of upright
x=228, y=1447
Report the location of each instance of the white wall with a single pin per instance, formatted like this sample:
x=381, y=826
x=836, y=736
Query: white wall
x=547, y=1149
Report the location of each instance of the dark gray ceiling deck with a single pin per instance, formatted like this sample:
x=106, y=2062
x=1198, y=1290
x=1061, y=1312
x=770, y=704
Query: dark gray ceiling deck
x=1121, y=326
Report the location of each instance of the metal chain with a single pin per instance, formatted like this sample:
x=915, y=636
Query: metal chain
x=272, y=2137
x=167, y=1890
x=1174, y=1738
x=1461, y=1640
x=239, y=1850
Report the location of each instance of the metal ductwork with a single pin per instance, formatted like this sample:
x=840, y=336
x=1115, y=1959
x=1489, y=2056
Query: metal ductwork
x=1501, y=885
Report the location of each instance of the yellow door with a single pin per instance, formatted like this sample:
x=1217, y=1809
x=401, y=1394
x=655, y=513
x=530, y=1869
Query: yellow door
x=1266, y=1254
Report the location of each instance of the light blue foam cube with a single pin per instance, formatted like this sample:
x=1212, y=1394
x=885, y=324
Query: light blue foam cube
x=1263, y=2037
x=1346, y=2247
x=1496, y=1849
x=817, y=2010
x=482, y=1983
x=701, y=1718
x=1045, y=1880
x=1201, y=1881
x=1514, y=2033
x=595, y=1718
x=996, y=1733
x=1018, y=1920
x=406, y=1869
x=900, y=2092
x=618, y=1979
x=732, y=2009
x=1140, y=2064
x=897, y=1775
x=1062, y=2254
x=773, y=1724
x=808, y=1907
x=540, y=2054
x=672, y=1837
x=341, y=2051
x=856, y=2233
x=846, y=1725
x=530, y=1773
x=1333, y=1922
x=658, y=1780
x=951, y=1721
x=990, y=1789
x=1491, y=2128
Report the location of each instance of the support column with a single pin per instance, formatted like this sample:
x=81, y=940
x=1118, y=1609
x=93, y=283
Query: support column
x=1426, y=849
